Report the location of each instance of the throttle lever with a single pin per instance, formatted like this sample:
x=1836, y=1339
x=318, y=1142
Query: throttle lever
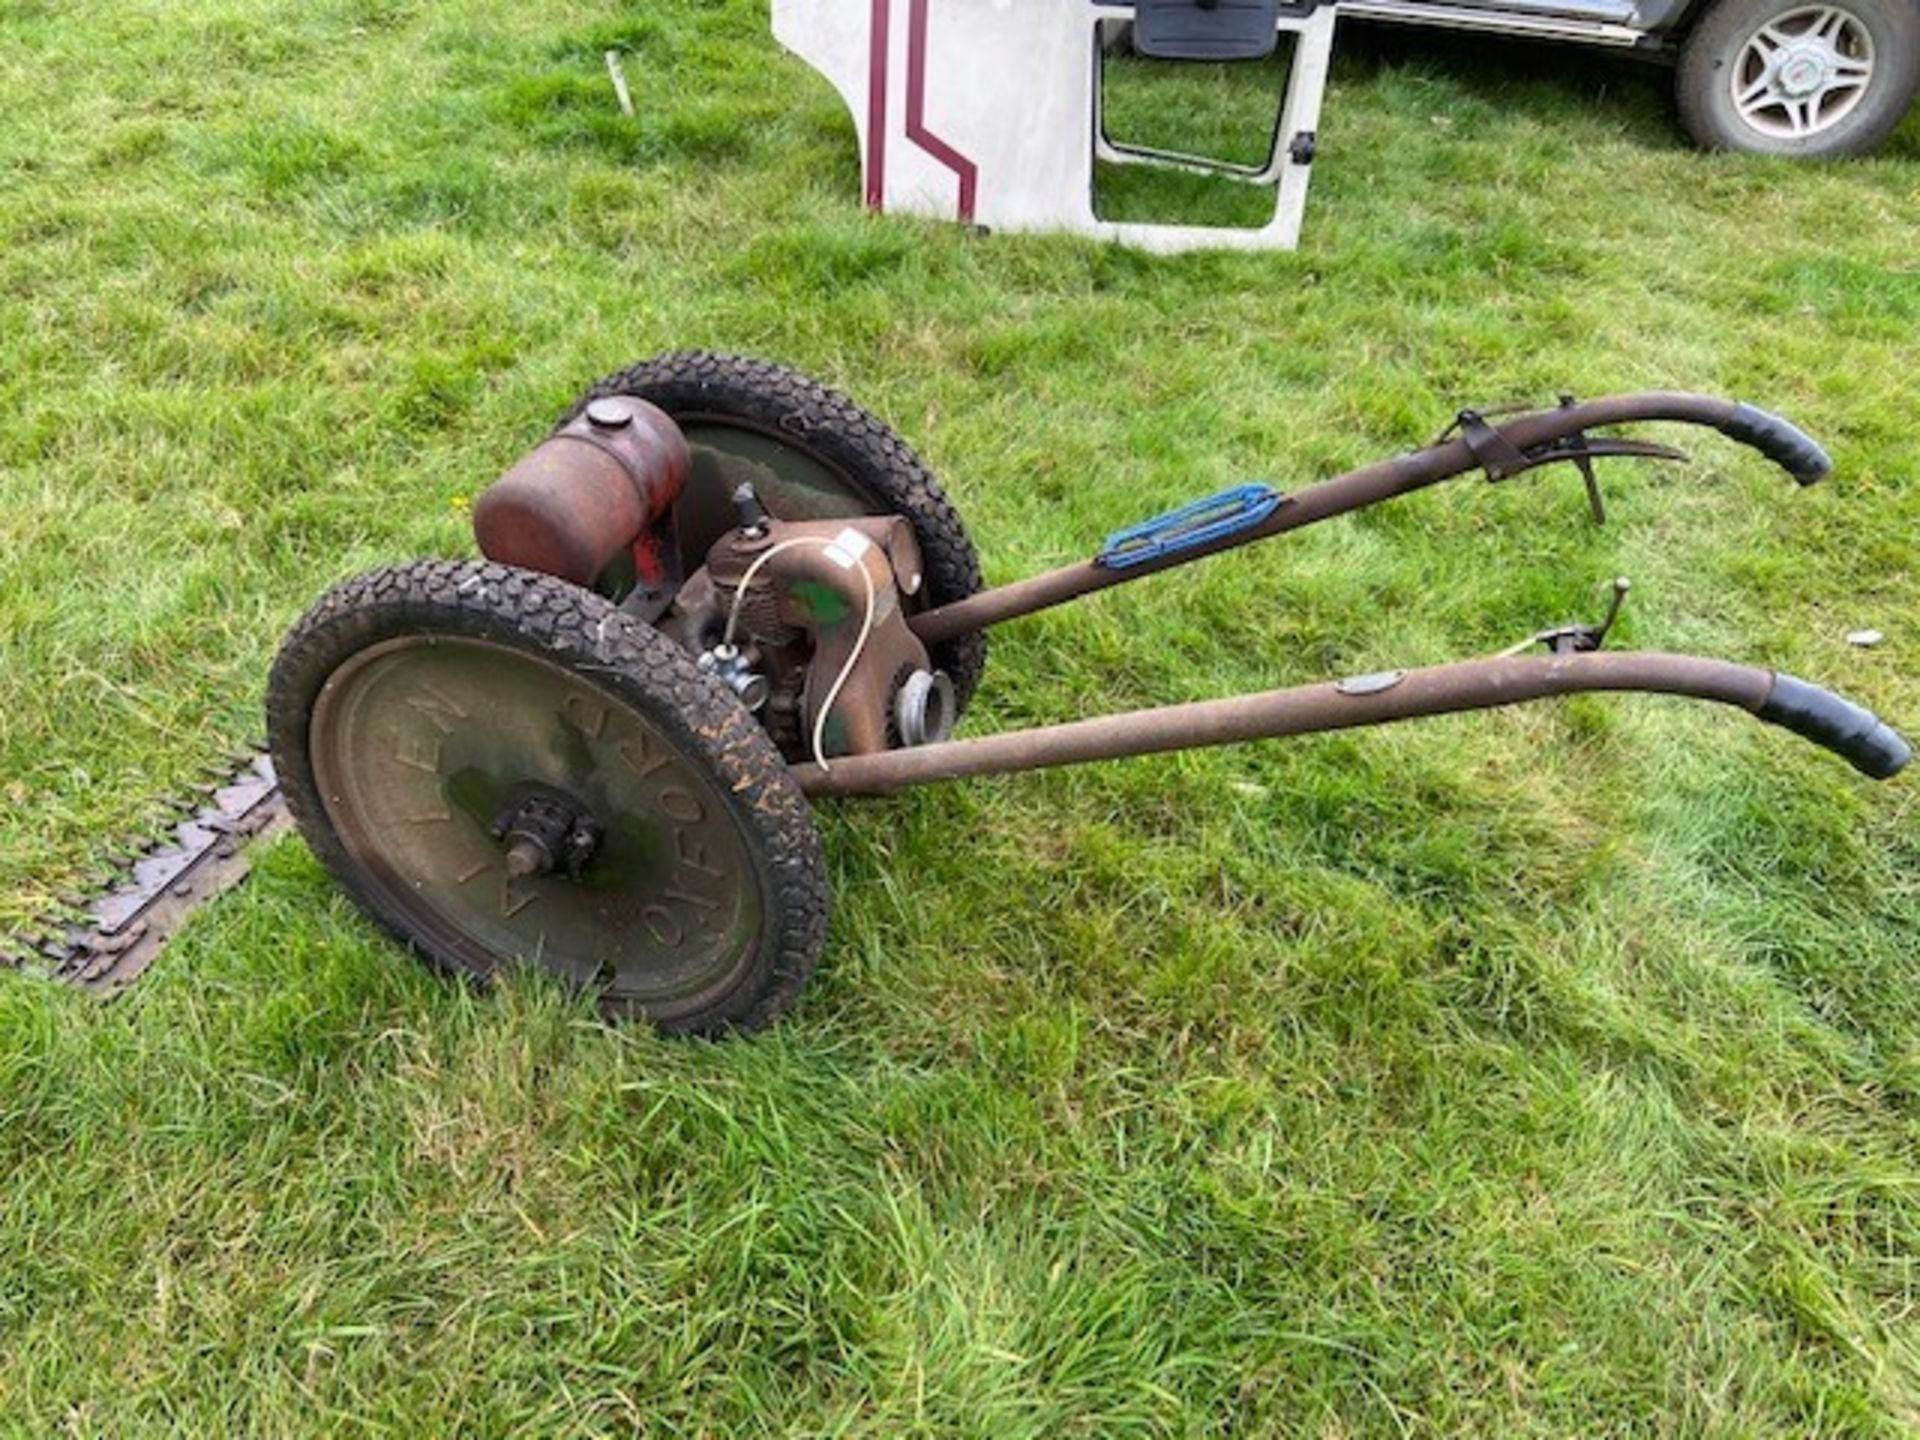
x=1573, y=638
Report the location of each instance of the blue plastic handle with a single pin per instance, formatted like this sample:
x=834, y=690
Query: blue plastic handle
x=1240, y=508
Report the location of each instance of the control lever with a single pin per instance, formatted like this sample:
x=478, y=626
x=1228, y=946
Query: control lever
x=1579, y=446
x=1574, y=638
x=1501, y=459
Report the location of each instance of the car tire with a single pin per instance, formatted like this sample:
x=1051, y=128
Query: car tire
x=1817, y=79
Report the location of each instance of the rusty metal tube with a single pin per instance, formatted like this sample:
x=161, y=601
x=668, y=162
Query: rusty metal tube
x=1372, y=700
x=1775, y=438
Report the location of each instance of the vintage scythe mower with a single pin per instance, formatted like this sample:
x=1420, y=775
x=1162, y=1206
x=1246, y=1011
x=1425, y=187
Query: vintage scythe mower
x=718, y=591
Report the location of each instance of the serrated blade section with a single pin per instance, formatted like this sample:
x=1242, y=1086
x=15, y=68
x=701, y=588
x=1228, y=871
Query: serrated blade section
x=124, y=930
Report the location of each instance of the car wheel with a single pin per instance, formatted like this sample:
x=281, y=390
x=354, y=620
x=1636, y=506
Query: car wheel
x=1785, y=77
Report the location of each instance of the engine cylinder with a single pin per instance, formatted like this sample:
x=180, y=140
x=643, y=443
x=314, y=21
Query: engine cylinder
x=587, y=492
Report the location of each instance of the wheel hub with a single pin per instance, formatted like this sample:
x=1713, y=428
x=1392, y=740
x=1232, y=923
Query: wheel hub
x=545, y=831
x=1803, y=72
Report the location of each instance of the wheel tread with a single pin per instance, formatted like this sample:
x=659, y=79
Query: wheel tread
x=579, y=629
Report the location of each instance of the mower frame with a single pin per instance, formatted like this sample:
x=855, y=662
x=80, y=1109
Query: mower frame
x=1520, y=442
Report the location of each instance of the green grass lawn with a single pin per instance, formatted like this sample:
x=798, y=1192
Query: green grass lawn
x=1547, y=1072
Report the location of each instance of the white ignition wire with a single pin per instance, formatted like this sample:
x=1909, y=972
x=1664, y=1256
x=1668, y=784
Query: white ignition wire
x=859, y=644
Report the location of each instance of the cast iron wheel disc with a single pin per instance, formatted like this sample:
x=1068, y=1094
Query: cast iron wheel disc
x=415, y=713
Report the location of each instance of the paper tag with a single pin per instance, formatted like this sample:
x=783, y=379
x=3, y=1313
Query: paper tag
x=846, y=548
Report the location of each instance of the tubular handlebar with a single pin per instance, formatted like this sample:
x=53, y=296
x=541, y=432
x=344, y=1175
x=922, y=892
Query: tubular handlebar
x=1774, y=436
x=1853, y=733
x=1781, y=441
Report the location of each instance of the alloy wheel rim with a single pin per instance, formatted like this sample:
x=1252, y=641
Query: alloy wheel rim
x=1803, y=72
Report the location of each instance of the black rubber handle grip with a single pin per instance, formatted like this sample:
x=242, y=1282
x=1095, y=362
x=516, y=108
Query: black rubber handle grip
x=1851, y=731
x=1781, y=441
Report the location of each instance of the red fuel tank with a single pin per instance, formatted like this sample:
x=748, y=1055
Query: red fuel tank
x=587, y=493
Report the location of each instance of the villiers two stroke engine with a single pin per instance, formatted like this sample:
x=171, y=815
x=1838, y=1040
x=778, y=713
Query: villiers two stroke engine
x=804, y=620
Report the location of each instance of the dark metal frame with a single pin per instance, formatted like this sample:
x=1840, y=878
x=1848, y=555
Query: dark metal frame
x=1520, y=442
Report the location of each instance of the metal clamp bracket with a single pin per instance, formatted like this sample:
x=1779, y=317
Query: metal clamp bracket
x=1574, y=638
x=1496, y=454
